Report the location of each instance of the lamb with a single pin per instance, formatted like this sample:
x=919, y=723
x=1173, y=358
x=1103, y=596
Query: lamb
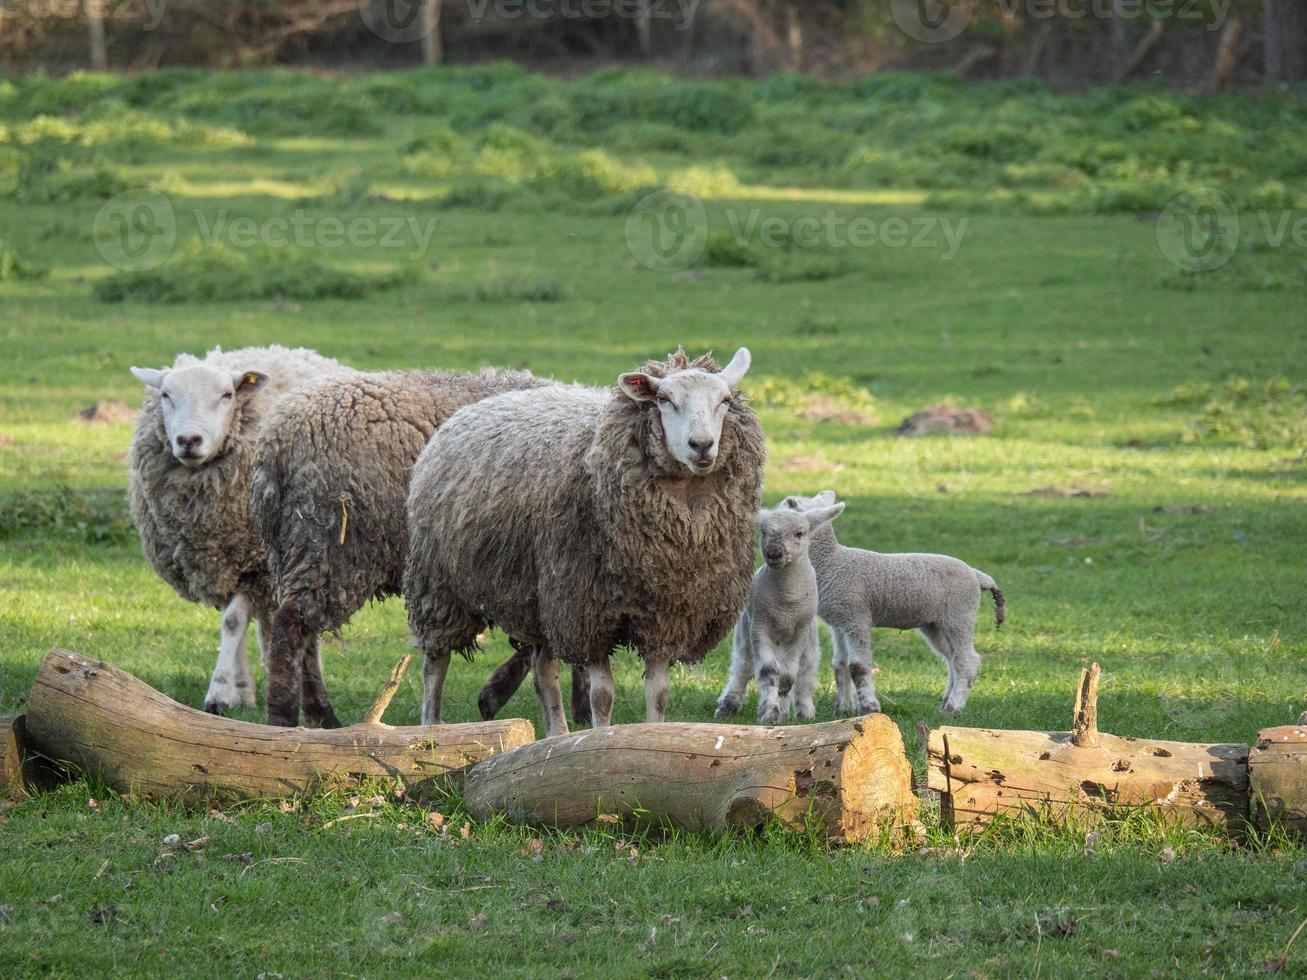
x=331, y=473
x=188, y=488
x=777, y=631
x=937, y=595
x=582, y=519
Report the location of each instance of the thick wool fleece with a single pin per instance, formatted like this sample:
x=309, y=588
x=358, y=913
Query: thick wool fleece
x=331, y=479
x=559, y=516
x=195, y=524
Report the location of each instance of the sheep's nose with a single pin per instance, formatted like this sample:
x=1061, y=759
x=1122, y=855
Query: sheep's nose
x=189, y=444
x=702, y=446
x=775, y=554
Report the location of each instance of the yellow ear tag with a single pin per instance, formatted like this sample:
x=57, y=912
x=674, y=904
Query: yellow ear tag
x=251, y=378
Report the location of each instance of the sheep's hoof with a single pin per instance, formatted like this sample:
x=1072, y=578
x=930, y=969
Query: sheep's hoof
x=216, y=708
x=726, y=709
x=950, y=710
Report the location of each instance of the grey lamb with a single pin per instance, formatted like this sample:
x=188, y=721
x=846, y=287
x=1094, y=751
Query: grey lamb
x=188, y=486
x=583, y=519
x=330, y=480
x=857, y=590
x=777, y=632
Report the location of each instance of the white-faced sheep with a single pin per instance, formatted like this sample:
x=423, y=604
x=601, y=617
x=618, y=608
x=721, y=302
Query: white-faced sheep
x=581, y=520
x=777, y=632
x=857, y=590
x=188, y=487
x=330, y=481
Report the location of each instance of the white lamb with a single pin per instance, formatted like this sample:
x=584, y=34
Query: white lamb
x=777, y=632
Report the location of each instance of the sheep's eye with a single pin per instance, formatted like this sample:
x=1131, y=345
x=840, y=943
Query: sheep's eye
x=664, y=400
x=165, y=396
x=226, y=396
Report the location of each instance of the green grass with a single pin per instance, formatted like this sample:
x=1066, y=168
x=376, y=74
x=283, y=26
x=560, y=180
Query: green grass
x=1140, y=500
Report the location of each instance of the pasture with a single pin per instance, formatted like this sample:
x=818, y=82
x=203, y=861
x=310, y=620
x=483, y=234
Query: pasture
x=880, y=248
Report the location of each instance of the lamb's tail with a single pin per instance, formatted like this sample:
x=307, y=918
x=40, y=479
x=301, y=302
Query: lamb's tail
x=987, y=584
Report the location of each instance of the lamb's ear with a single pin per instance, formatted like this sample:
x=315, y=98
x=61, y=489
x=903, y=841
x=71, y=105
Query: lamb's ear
x=248, y=382
x=638, y=386
x=734, y=371
x=826, y=497
x=150, y=377
x=824, y=514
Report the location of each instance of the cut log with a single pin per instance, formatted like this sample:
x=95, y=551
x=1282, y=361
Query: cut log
x=1277, y=771
x=91, y=716
x=981, y=772
x=850, y=778
x=12, y=783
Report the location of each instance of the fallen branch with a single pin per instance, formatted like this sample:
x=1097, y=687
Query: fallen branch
x=379, y=706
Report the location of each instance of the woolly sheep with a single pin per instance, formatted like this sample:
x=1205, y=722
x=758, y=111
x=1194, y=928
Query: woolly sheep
x=330, y=480
x=936, y=595
x=777, y=632
x=582, y=519
x=188, y=487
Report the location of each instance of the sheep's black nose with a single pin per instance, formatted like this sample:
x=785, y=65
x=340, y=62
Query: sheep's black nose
x=775, y=554
x=702, y=446
x=188, y=444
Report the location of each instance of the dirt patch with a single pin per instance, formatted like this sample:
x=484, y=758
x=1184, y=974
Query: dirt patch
x=1053, y=490
x=107, y=413
x=804, y=464
x=825, y=408
x=946, y=418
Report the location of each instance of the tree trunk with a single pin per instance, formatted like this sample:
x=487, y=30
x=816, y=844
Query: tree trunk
x=432, y=53
x=95, y=34
x=849, y=778
x=1284, y=34
x=93, y=717
x=1277, y=770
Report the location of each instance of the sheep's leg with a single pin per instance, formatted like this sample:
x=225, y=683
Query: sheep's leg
x=602, y=692
x=737, y=681
x=857, y=641
x=655, y=690
x=544, y=674
x=285, y=663
x=263, y=636
x=956, y=647
x=316, y=700
x=232, y=683
x=434, y=668
x=845, y=698
x=505, y=681
x=775, y=678
x=580, y=696
x=805, y=683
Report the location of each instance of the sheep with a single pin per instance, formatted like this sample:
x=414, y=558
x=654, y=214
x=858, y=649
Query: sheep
x=937, y=595
x=777, y=631
x=330, y=479
x=582, y=519
x=188, y=488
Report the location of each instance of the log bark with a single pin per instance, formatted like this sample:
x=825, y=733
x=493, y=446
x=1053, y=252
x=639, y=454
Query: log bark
x=12, y=783
x=850, y=778
x=91, y=716
x=1277, y=770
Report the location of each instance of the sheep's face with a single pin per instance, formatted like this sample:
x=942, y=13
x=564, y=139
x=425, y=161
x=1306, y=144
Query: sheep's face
x=692, y=406
x=785, y=531
x=796, y=502
x=198, y=404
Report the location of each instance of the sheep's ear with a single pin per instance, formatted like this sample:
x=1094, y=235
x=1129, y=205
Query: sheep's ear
x=248, y=382
x=639, y=386
x=826, y=497
x=734, y=371
x=824, y=514
x=150, y=377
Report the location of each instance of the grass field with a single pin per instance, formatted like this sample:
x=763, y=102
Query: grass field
x=1140, y=498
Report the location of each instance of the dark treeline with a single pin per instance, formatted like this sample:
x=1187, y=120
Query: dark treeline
x=1191, y=44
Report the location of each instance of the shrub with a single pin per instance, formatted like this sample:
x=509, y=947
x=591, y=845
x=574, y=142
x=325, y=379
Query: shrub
x=509, y=289
x=94, y=516
x=13, y=268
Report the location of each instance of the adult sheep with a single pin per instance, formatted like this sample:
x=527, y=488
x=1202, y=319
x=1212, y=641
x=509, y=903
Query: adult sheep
x=188, y=487
x=330, y=481
x=581, y=520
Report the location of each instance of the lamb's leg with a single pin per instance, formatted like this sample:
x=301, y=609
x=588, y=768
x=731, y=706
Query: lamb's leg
x=775, y=678
x=602, y=693
x=316, y=700
x=858, y=648
x=286, y=651
x=955, y=644
x=434, y=668
x=544, y=674
x=263, y=636
x=505, y=681
x=580, y=696
x=737, y=681
x=232, y=683
x=805, y=683
x=655, y=690
x=846, y=702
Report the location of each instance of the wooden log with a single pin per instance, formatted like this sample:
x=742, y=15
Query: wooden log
x=91, y=716
x=1277, y=771
x=849, y=777
x=982, y=772
x=12, y=784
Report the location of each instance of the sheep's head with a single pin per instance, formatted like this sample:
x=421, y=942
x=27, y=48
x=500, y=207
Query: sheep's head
x=692, y=405
x=796, y=502
x=785, y=531
x=198, y=404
